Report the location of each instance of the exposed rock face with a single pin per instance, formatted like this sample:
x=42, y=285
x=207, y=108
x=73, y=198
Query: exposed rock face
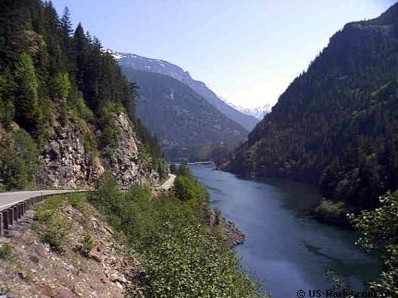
x=233, y=235
x=125, y=163
x=68, y=164
x=107, y=270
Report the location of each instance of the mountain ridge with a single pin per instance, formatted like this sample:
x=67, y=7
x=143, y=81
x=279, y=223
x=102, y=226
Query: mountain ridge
x=176, y=72
x=184, y=122
x=335, y=126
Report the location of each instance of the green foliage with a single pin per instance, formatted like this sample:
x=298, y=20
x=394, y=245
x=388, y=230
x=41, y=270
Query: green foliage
x=379, y=232
x=77, y=200
x=110, y=132
x=5, y=251
x=83, y=111
x=190, y=263
x=336, y=125
x=53, y=223
x=28, y=112
x=331, y=212
x=18, y=160
x=88, y=242
x=151, y=147
x=56, y=228
x=181, y=257
x=51, y=76
x=7, y=113
x=190, y=127
x=186, y=187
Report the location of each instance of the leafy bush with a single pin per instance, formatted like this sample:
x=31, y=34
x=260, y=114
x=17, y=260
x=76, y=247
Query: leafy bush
x=186, y=187
x=331, y=212
x=56, y=228
x=182, y=257
x=191, y=263
x=5, y=251
x=88, y=242
x=379, y=233
x=53, y=225
x=18, y=160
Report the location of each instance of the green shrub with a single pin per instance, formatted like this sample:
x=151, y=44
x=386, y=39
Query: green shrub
x=88, y=242
x=77, y=200
x=332, y=212
x=52, y=223
x=5, y=251
x=182, y=257
x=18, y=160
x=56, y=228
x=379, y=233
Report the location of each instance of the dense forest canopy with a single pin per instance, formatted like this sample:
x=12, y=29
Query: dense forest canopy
x=336, y=125
x=52, y=75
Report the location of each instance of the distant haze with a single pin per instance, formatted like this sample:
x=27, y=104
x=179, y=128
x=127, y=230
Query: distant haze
x=246, y=51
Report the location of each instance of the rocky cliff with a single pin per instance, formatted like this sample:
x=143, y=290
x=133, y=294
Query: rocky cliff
x=69, y=162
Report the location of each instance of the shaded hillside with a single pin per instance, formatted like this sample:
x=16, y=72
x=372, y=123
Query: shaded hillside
x=187, y=125
x=176, y=72
x=66, y=111
x=337, y=123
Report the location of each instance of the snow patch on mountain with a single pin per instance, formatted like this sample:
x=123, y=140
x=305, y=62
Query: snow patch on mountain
x=166, y=68
x=257, y=112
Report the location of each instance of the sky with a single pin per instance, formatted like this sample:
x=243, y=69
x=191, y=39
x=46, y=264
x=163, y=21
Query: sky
x=246, y=51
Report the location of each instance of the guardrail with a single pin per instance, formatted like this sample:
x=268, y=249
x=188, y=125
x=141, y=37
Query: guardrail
x=11, y=214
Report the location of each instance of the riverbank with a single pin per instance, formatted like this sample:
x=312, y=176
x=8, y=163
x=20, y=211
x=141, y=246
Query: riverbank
x=181, y=254
x=285, y=248
x=232, y=233
x=112, y=244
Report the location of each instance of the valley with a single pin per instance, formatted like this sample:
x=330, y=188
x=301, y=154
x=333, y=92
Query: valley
x=185, y=194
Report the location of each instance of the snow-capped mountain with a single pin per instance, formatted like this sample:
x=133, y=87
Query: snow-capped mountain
x=166, y=68
x=258, y=112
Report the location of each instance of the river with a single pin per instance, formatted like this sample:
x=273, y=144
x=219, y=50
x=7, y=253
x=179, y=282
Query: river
x=285, y=249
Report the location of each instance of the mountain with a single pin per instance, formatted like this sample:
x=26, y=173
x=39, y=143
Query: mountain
x=257, y=112
x=336, y=125
x=185, y=123
x=176, y=72
x=66, y=111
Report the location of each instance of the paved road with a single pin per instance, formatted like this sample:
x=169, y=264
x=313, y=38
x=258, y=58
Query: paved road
x=169, y=183
x=8, y=199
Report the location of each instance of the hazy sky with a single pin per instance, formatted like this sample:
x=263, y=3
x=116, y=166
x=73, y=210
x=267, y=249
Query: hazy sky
x=246, y=51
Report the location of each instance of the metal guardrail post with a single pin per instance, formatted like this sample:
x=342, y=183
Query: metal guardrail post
x=28, y=204
x=19, y=207
x=10, y=216
x=15, y=212
x=1, y=224
x=5, y=219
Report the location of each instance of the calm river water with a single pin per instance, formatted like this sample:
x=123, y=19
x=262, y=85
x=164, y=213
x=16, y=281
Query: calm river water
x=285, y=249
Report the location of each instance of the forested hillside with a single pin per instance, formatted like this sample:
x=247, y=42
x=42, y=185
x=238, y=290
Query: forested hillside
x=166, y=68
x=66, y=111
x=336, y=125
x=185, y=123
